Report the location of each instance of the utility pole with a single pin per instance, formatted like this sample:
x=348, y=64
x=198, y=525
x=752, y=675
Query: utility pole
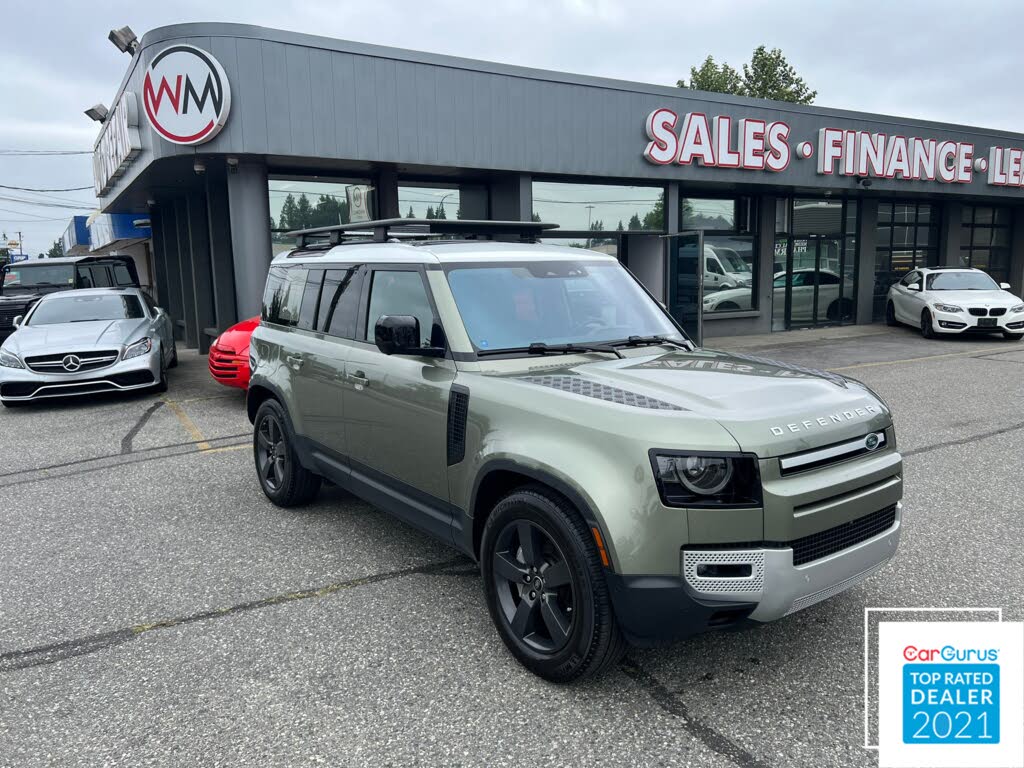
x=590, y=212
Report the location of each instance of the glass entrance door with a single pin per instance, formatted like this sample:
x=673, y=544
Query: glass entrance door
x=818, y=284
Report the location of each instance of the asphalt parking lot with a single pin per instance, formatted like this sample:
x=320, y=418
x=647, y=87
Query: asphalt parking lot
x=155, y=609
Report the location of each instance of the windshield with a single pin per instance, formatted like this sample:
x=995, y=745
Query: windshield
x=732, y=260
x=81, y=309
x=510, y=306
x=961, y=281
x=24, y=276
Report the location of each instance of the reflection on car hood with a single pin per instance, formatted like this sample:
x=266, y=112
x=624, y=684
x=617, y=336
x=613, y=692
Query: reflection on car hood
x=73, y=337
x=769, y=407
x=975, y=298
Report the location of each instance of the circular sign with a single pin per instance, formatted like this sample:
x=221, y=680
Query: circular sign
x=186, y=95
x=71, y=363
x=871, y=443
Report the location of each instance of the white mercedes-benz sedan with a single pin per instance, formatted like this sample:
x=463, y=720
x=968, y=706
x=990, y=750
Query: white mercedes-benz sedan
x=89, y=340
x=944, y=300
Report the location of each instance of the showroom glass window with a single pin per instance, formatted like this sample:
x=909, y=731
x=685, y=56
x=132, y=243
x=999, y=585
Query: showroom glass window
x=985, y=240
x=907, y=237
x=730, y=250
x=434, y=201
x=302, y=203
x=595, y=216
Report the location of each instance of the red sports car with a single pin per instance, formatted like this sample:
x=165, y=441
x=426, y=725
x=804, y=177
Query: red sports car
x=229, y=355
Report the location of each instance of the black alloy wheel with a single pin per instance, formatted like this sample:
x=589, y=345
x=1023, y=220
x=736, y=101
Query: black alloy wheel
x=926, y=325
x=271, y=452
x=283, y=478
x=546, y=587
x=534, y=586
x=890, y=314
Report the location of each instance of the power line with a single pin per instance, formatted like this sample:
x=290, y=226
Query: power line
x=37, y=189
x=42, y=152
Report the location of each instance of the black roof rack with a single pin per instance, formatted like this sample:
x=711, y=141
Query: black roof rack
x=382, y=230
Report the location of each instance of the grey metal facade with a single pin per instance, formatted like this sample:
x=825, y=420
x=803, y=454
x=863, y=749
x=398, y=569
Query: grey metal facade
x=307, y=104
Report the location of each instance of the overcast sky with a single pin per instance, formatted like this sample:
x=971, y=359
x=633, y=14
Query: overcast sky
x=944, y=61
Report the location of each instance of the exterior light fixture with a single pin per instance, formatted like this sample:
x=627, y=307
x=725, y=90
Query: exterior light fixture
x=97, y=112
x=199, y=167
x=864, y=181
x=232, y=165
x=124, y=39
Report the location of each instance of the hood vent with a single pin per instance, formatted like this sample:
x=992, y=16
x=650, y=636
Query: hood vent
x=578, y=385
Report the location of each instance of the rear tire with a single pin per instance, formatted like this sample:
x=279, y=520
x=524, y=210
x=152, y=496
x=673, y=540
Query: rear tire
x=545, y=587
x=926, y=325
x=727, y=306
x=890, y=315
x=284, y=480
x=1012, y=336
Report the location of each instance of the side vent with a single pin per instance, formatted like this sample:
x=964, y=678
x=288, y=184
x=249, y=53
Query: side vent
x=458, y=412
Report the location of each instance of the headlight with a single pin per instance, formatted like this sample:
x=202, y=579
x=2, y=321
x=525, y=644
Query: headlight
x=707, y=480
x=10, y=360
x=948, y=308
x=140, y=347
x=1018, y=308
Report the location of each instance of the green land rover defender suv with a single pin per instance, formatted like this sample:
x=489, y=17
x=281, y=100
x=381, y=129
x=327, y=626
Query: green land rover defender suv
x=536, y=408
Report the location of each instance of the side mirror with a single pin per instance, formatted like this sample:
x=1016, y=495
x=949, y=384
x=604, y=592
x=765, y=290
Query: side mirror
x=914, y=287
x=400, y=335
x=17, y=321
x=1005, y=286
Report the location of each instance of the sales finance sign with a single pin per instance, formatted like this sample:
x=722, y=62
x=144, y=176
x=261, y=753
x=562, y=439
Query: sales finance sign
x=750, y=144
x=186, y=95
x=950, y=694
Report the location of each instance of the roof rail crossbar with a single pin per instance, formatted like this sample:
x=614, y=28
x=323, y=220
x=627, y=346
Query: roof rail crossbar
x=382, y=230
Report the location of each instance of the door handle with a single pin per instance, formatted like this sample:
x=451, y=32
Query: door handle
x=359, y=378
x=294, y=361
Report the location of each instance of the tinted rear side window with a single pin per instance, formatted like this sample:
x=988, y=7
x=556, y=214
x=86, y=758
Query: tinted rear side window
x=122, y=276
x=339, y=302
x=100, y=277
x=283, y=295
x=311, y=300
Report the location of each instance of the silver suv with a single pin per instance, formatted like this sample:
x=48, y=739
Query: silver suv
x=536, y=408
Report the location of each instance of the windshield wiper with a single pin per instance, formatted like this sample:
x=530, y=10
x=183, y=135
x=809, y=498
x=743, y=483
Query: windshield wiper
x=540, y=348
x=643, y=341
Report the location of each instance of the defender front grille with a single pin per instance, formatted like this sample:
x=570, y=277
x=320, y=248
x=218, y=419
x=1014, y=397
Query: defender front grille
x=825, y=543
x=831, y=454
x=88, y=361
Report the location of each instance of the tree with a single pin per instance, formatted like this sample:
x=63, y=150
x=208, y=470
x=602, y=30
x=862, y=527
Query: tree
x=770, y=76
x=439, y=213
x=713, y=77
x=430, y=212
x=655, y=218
x=56, y=250
x=410, y=214
x=767, y=76
x=534, y=216
x=288, y=218
x=620, y=228
x=304, y=211
x=634, y=223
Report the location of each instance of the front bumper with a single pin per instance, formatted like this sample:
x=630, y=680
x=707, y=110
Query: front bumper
x=229, y=368
x=776, y=585
x=23, y=384
x=965, y=322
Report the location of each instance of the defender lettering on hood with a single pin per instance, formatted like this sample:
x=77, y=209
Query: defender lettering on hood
x=825, y=421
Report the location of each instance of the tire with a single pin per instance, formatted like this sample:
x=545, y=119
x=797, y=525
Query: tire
x=283, y=479
x=1012, y=336
x=563, y=630
x=174, y=355
x=161, y=385
x=727, y=306
x=890, y=315
x=926, y=325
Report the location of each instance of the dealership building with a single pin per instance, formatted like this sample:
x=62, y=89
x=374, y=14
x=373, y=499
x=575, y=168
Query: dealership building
x=225, y=136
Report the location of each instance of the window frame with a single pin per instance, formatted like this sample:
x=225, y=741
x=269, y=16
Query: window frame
x=971, y=228
x=363, y=321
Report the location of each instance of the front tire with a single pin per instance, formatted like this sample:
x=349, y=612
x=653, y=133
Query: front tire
x=890, y=315
x=174, y=355
x=545, y=587
x=284, y=480
x=1012, y=336
x=161, y=385
x=927, y=330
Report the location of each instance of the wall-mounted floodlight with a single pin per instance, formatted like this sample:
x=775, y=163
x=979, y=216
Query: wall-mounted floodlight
x=124, y=39
x=97, y=112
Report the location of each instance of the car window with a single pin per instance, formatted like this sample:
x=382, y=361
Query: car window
x=149, y=303
x=310, y=300
x=399, y=293
x=828, y=278
x=713, y=267
x=339, y=302
x=779, y=282
x=25, y=276
x=100, y=277
x=801, y=279
x=283, y=295
x=911, y=277
x=961, y=281
x=122, y=276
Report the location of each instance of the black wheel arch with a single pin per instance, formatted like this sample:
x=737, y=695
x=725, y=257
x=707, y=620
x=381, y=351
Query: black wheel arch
x=259, y=391
x=499, y=477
